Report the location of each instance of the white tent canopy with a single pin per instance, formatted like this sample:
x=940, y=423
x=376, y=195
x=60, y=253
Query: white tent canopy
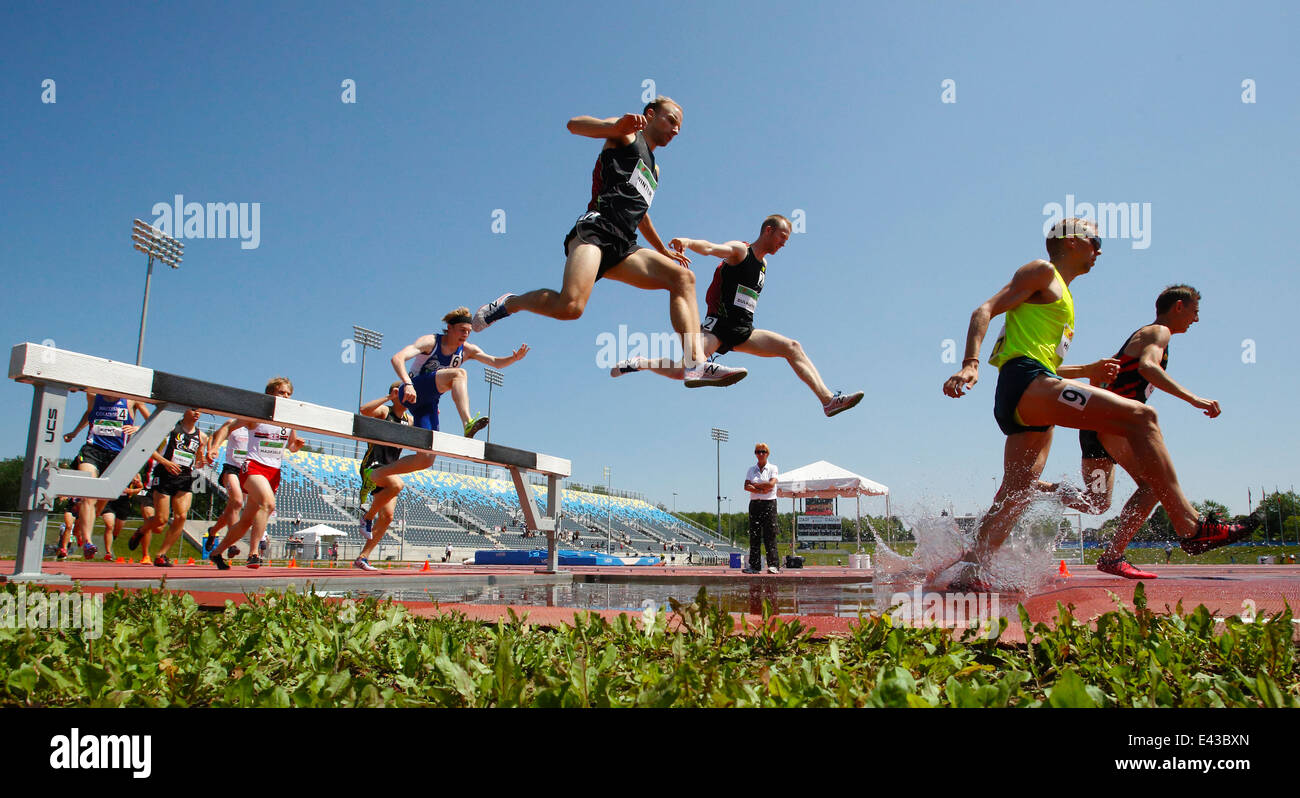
x=823, y=480
x=322, y=531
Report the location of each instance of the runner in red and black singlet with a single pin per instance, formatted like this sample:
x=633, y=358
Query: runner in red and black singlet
x=1142, y=362
x=602, y=242
x=731, y=300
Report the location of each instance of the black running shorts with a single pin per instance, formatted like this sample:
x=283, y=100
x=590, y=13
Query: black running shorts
x=615, y=246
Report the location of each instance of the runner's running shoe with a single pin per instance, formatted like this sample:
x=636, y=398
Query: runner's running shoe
x=219, y=561
x=1212, y=533
x=162, y=561
x=367, y=528
x=490, y=314
x=134, y=542
x=363, y=564
x=253, y=561
x=88, y=550
x=475, y=425
x=714, y=375
x=61, y=554
x=630, y=366
x=839, y=403
x=1122, y=567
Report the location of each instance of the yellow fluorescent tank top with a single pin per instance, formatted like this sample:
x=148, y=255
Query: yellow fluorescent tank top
x=1043, y=332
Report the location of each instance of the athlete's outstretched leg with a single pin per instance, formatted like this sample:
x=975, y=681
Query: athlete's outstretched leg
x=566, y=304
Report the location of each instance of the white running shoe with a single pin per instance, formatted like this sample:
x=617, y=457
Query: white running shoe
x=366, y=527
x=772, y=569
x=363, y=564
x=629, y=366
x=714, y=375
x=839, y=403
x=490, y=314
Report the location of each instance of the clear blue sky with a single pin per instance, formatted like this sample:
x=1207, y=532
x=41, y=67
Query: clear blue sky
x=379, y=212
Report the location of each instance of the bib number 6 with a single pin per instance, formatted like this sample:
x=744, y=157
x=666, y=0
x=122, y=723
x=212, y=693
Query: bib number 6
x=1075, y=397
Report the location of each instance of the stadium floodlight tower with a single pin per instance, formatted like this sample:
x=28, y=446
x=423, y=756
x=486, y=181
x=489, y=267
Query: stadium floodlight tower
x=367, y=339
x=156, y=244
x=492, y=377
x=719, y=435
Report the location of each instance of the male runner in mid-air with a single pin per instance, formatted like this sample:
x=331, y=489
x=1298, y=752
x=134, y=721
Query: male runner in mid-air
x=602, y=242
x=1035, y=393
x=731, y=300
x=1142, y=361
x=435, y=369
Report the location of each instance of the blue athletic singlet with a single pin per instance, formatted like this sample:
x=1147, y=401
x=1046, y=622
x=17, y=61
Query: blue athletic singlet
x=424, y=378
x=107, y=418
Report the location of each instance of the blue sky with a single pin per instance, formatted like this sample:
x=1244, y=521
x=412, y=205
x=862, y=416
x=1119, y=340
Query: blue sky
x=380, y=212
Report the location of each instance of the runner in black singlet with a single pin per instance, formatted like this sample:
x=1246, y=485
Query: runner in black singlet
x=1142, y=362
x=731, y=300
x=603, y=240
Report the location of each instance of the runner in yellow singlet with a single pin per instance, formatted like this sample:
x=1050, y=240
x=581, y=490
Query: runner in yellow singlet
x=1035, y=393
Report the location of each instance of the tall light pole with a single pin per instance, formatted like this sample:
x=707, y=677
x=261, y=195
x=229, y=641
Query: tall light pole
x=719, y=435
x=729, y=518
x=492, y=377
x=609, y=510
x=368, y=339
x=674, y=502
x=156, y=244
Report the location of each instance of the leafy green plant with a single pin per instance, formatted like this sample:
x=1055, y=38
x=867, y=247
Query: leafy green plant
x=283, y=650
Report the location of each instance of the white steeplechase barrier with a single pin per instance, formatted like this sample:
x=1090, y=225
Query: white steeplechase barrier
x=53, y=373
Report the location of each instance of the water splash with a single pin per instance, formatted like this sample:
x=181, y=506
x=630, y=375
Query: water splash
x=1025, y=563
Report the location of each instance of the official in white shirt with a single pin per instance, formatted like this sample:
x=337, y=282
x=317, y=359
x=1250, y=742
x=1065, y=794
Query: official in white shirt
x=760, y=482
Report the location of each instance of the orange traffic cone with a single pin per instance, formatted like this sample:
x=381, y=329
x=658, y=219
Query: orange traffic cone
x=190, y=561
x=1064, y=571
x=121, y=560
x=425, y=567
x=293, y=563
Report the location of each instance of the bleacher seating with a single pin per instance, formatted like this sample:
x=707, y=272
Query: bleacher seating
x=324, y=489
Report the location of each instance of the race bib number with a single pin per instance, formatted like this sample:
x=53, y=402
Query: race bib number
x=746, y=298
x=643, y=180
x=183, y=458
x=107, y=429
x=1067, y=335
x=709, y=323
x=1074, y=396
x=997, y=345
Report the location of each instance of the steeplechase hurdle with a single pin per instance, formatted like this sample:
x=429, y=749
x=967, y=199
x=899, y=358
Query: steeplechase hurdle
x=53, y=373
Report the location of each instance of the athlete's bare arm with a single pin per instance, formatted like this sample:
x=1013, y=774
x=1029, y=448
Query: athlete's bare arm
x=652, y=238
x=618, y=130
x=375, y=408
x=1099, y=372
x=472, y=352
x=295, y=443
x=85, y=417
x=1153, y=339
x=733, y=251
x=423, y=345
x=1031, y=280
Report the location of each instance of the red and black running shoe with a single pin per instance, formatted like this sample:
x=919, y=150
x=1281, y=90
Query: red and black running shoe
x=1122, y=567
x=1213, y=532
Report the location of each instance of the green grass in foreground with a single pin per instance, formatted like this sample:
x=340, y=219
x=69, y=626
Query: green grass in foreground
x=160, y=649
